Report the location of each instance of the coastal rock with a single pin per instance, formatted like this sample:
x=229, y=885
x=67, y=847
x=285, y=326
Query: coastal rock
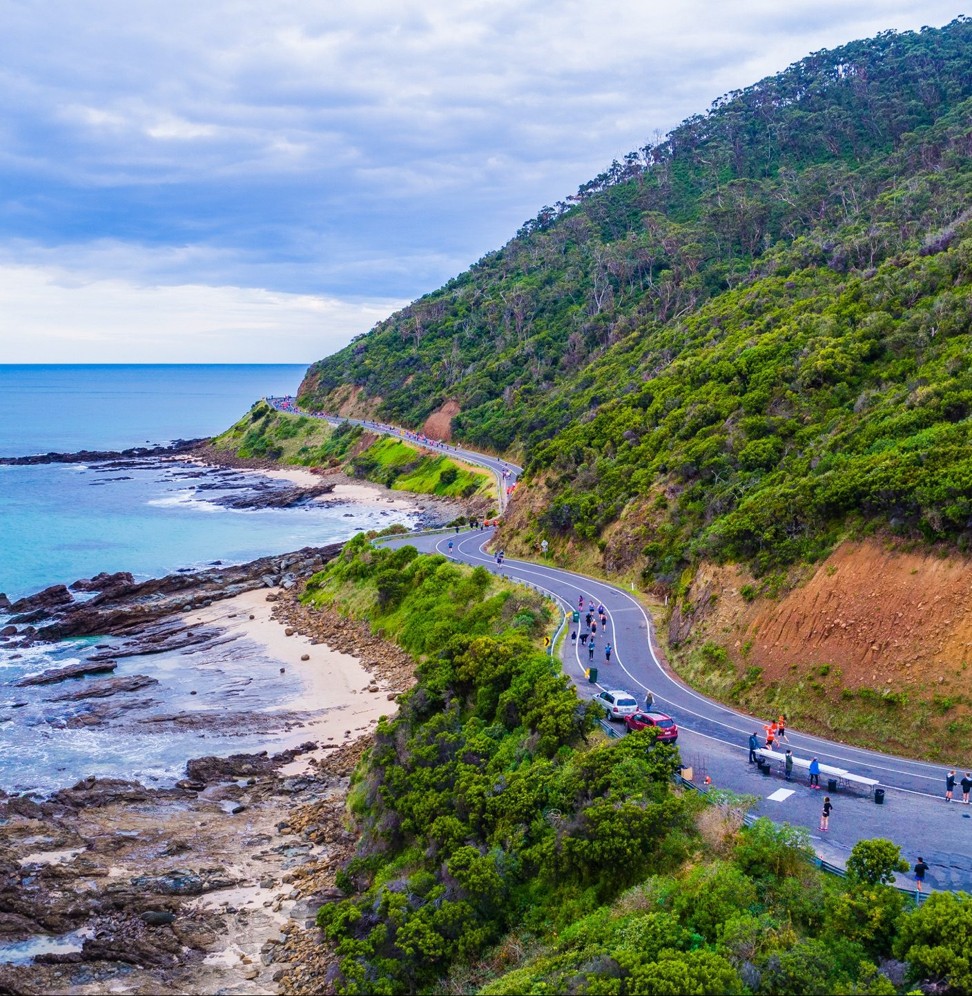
x=55, y=675
x=4, y=603
x=179, y=447
x=93, y=791
x=55, y=596
x=270, y=496
x=107, y=686
x=125, y=608
x=216, y=769
x=103, y=581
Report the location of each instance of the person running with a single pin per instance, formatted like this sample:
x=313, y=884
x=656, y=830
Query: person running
x=593, y=626
x=814, y=773
x=966, y=786
x=450, y=548
x=781, y=727
x=920, y=868
x=949, y=785
x=753, y=747
x=607, y=653
x=603, y=620
x=788, y=765
x=825, y=814
x=601, y=610
x=590, y=650
x=580, y=602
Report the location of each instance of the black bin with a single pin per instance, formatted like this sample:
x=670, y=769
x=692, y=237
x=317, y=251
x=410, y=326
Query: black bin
x=766, y=769
x=592, y=675
x=879, y=796
x=831, y=784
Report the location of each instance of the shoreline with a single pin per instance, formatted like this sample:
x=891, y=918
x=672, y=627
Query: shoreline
x=257, y=836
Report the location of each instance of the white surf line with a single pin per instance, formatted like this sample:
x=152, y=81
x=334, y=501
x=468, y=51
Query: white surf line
x=828, y=747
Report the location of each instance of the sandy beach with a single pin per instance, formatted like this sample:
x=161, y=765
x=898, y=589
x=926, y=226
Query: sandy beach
x=342, y=699
x=210, y=886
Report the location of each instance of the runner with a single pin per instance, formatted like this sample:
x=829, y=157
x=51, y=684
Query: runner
x=607, y=653
x=825, y=815
x=920, y=868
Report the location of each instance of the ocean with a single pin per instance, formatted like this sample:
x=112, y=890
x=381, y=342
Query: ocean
x=61, y=522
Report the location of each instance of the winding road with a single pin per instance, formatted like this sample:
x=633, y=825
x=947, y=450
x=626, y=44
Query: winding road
x=713, y=737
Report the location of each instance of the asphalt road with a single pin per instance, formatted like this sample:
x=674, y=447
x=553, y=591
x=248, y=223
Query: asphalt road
x=713, y=739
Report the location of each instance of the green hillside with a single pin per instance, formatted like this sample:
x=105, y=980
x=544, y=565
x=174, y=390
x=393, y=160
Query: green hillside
x=297, y=440
x=504, y=846
x=751, y=337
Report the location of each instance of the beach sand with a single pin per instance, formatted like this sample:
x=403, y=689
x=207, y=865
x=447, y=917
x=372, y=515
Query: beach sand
x=341, y=698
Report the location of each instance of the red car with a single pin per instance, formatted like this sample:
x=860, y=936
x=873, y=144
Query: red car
x=665, y=725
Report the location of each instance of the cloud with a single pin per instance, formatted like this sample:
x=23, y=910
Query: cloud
x=354, y=152
x=54, y=313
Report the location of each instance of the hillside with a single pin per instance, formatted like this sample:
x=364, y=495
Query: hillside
x=730, y=356
x=743, y=335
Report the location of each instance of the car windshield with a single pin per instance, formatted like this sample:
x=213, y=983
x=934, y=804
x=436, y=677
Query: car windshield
x=627, y=702
x=664, y=723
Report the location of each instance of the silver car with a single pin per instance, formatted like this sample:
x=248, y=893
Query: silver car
x=617, y=703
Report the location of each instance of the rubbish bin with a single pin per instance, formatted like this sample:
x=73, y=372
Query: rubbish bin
x=831, y=784
x=592, y=675
x=766, y=769
x=879, y=796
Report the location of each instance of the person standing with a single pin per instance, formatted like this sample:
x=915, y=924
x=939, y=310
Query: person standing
x=949, y=785
x=825, y=813
x=788, y=765
x=649, y=700
x=966, y=786
x=590, y=650
x=753, y=746
x=814, y=773
x=920, y=868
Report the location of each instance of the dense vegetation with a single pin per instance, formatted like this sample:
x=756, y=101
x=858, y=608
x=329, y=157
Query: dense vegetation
x=299, y=440
x=751, y=336
x=506, y=847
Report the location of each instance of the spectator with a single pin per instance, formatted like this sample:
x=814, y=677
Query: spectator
x=949, y=785
x=814, y=773
x=753, y=745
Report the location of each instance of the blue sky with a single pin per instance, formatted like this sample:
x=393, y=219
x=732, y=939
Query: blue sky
x=260, y=182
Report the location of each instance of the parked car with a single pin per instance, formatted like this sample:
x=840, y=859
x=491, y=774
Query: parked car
x=665, y=725
x=618, y=703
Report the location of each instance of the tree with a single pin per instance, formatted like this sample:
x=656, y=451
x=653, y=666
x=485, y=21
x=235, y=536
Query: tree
x=936, y=940
x=874, y=862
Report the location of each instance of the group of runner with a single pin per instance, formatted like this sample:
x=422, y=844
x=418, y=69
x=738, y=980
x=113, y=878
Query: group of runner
x=592, y=619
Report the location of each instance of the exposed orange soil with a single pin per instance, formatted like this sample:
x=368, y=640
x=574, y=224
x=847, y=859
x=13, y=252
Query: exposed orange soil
x=439, y=424
x=886, y=618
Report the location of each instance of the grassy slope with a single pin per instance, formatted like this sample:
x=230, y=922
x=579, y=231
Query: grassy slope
x=266, y=434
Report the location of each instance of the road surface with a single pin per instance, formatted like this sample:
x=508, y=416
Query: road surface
x=713, y=738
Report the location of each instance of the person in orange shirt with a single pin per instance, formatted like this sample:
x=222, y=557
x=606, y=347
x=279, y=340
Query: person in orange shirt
x=781, y=727
x=770, y=735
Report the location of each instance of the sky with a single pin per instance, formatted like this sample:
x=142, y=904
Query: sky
x=185, y=182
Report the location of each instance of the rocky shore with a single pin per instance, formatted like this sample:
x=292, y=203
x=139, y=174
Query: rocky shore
x=209, y=886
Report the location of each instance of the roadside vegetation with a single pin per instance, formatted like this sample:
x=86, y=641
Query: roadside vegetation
x=752, y=337
x=507, y=847
x=265, y=434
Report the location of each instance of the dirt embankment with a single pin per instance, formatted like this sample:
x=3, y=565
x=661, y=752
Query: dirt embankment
x=878, y=614
x=439, y=424
x=873, y=645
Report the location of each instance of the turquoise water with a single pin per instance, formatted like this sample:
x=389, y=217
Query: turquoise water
x=63, y=408
x=61, y=522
